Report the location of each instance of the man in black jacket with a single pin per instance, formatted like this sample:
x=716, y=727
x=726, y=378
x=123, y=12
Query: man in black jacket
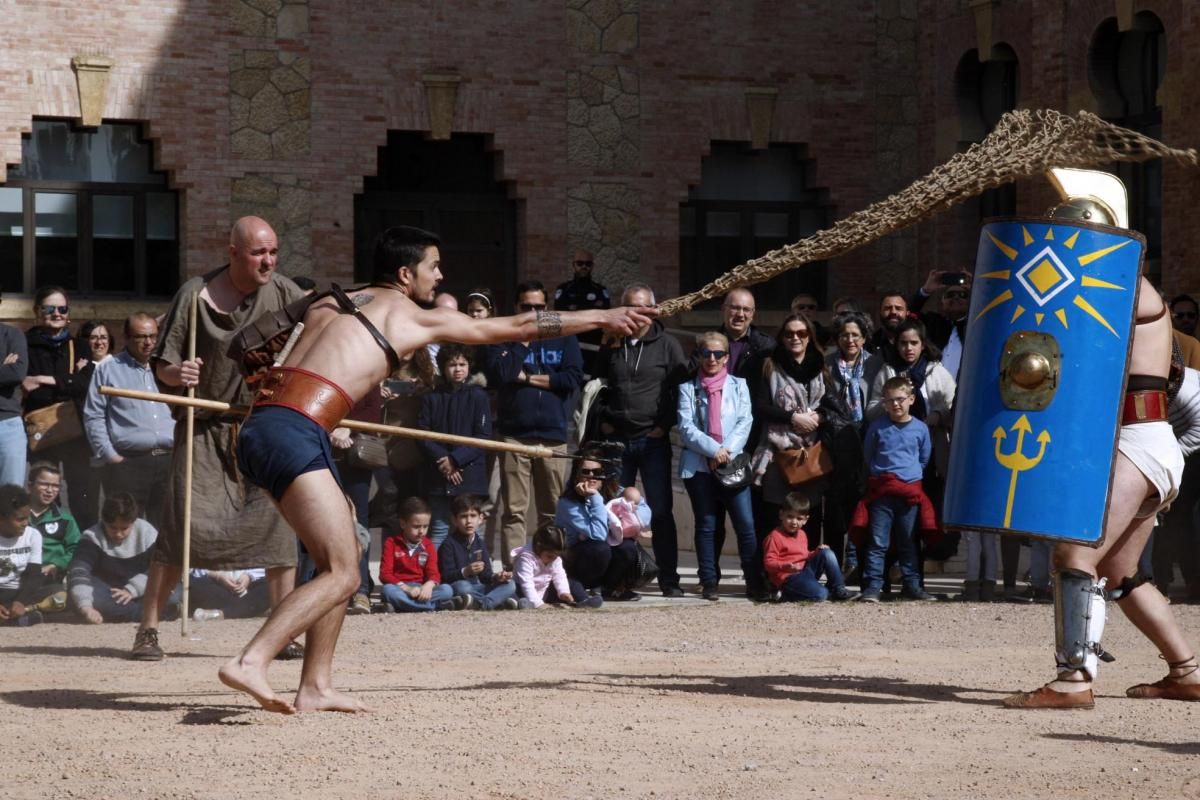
x=14, y=365
x=644, y=372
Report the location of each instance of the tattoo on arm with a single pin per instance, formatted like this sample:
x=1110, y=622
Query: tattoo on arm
x=361, y=300
x=549, y=324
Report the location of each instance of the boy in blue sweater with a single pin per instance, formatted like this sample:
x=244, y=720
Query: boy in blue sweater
x=897, y=448
x=465, y=563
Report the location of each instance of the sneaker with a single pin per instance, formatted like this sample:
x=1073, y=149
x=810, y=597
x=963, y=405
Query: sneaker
x=453, y=604
x=360, y=604
x=709, y=592
x=145, y=646
x=840, y=594
x=591, y=601
x=869, y=597
x=469, y=601
x=509, y=604
x=916, y=594
x=672, y=591
x=30, y=617
x=524, y=604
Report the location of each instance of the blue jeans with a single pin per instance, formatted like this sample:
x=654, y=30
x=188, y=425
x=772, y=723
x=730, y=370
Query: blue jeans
x=399, y=600
x=709, y=498
x=439, y=518
x=892, y=523
x=652, y=458
x=488, y=598
x=806, y=584
x=112, y=611
x=12, y=452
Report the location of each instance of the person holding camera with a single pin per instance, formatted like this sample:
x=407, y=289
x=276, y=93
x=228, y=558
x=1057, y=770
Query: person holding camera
x=947, y=329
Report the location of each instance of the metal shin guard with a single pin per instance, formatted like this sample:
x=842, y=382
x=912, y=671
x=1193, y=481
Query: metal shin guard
x=1078, y=622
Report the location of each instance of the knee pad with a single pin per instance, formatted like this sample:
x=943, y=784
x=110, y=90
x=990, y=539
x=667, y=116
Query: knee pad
x=1078, y=622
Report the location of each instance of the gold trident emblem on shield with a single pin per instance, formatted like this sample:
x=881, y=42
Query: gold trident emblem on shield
x=1017, y=461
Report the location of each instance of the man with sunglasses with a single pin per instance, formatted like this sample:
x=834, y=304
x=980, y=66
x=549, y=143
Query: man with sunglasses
x=1184, y=314
x=536, y=381
x=14, y=365
x=133, y=439
x=582, y=292
x=948, y=328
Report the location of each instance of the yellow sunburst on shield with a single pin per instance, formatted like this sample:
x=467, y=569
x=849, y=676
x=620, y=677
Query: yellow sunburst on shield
x=1042, y=279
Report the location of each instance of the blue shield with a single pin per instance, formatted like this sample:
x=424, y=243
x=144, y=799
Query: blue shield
x=1038, y=405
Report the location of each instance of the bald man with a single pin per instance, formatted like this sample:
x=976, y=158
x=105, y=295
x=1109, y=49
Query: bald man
x=234, y=523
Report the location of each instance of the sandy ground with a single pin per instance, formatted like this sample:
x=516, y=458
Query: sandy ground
x=673, y=699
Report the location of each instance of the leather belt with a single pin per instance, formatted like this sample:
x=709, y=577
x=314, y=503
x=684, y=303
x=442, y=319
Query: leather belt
x=322, y=401
x=1149, y=405
x=158, y=451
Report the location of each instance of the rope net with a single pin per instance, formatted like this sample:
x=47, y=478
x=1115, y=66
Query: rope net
x=1024, y=143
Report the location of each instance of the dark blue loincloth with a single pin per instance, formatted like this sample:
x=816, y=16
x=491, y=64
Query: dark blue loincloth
x=277, y=445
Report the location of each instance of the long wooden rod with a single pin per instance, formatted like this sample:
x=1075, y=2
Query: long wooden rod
x=532, y=451
x=189, y=458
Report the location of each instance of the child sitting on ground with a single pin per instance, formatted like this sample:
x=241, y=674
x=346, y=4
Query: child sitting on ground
x=791, y=567
x=408, y=566
x=108, y=573
x=465, y=563
x=539, y=574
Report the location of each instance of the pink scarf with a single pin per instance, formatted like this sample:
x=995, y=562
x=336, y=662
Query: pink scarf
x=713, y=386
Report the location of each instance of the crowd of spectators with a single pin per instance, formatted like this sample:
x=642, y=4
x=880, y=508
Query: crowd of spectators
x=823, y=443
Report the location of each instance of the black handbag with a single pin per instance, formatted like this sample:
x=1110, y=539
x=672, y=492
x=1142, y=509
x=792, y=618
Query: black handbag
x=646, y=570
x=735, y=473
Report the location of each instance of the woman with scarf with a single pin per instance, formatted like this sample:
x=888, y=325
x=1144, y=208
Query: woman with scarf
x=714, y=425
x=54, y=377
x=797, y=412
x=851, y=372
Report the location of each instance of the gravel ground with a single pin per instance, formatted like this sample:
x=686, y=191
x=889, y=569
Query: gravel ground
x=678, y=699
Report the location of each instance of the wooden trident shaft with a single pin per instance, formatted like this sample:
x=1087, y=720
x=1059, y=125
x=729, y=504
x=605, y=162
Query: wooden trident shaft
x=529, y=450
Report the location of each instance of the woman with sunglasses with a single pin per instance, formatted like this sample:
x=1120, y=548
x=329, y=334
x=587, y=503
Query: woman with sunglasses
x=54, y=377
x=583, y=515
x=797, y=411
x=714, y=425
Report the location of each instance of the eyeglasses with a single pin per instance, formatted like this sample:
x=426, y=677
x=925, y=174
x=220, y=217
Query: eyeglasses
x=1184, y=315
x=49, y=310
x=591, y=473
x=896, y=401
x=717, y=354
x=584, y=263
x=98, y=338
x=533, y=306
x=795, y=334
x=955, y=295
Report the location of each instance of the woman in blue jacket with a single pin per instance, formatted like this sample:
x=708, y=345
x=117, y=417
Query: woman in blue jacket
x=597, y=555
x=460, y=408
x=714, y=423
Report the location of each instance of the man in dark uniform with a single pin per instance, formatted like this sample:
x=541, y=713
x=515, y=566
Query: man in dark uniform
x=581, y=292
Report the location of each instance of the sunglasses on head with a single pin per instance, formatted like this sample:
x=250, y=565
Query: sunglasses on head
x=717, y=354
x=795, y=334
x=48, y=310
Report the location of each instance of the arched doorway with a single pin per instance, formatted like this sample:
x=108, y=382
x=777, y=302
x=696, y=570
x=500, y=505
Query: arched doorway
x=450, y=188
x=986, y=91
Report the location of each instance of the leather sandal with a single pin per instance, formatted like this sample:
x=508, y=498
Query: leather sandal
x=1046, y=697
x=1169, y=688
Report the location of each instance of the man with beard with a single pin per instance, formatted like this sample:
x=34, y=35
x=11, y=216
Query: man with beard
x=893, y=311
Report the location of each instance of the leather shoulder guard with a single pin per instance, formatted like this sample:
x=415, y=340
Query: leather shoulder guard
x=255, y=346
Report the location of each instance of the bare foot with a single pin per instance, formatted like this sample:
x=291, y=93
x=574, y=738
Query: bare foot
x=329, y=700
x=253, y=682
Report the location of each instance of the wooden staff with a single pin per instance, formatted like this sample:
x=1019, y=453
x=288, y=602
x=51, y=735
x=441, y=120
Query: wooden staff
x=530, y=450
x=187, y=471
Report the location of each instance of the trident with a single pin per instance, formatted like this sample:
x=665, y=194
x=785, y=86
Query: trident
x=1017, y=461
